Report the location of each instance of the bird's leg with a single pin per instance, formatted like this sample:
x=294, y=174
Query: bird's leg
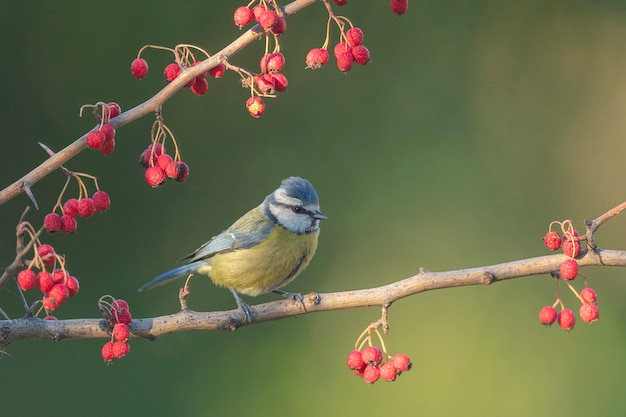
x=245, y=308
x=293, y=296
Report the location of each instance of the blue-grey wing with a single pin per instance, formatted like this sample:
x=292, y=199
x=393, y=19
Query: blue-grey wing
x=250, y=230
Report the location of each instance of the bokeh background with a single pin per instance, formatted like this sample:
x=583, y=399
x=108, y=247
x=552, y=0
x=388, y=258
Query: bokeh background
x=475, y=124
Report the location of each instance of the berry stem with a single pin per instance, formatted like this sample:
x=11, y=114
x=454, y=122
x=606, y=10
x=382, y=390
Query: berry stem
x=571, y=287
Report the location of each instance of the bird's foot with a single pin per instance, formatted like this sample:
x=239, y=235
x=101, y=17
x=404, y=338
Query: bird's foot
x=247, y=311
x=293, y=296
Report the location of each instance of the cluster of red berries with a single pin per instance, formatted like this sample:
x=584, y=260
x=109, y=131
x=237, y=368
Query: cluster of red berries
x=103, y=138
x=267, y=82
x=368, y=364
x=56, y=285
x=397, y=6
x=351, y=50
x=569, y=243
x=119, y=317
x=272, y=20
x=160, y=165
x=83, y=207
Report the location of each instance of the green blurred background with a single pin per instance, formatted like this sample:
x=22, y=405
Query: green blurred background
x=475, y=124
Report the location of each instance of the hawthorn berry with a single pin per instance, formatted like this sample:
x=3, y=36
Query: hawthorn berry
x=171, y=71
x=341, y=48
x=59, y=276
x=72, y=285
x=101, y=201
x=571, y=248
x=95, y=139
x=255, y=106
x=569, y=269
x=547, y=315
x=566, y=319
x=70, y=207
x=372, y=355
x=151, y=154
x=86, y=207
x=258, y=10
x=44, y=281
x=108, y=131
x=50, y=318
x=280, y=27
x=399, y=6
x=345, y=62
x=121, y=332
x=164, y=160
x=589, y=312
x=268, y=19
x=46, y=253
x=114, y=109
x=217, y=71
x=243, y=15
x=26, y=279
x=265, y=83
x=68, y=224
x=273, y=62
x=354, y=37
x=107, y=147
x=107, y=352
x=139, y=68
x=200, y=86
x=552, y=240
x=316, y=58
x=361, y=54
x=371, y=374
x=588, y=295
x=155, y=176
x=355, y=360
x=119, y=305
x=280, y=81
x=388, y=372
x=120, y=312
x=120, y=349
x=182, y=171
x=56, y=296
x=340, y=2
x=402, y=362
x=52, y=222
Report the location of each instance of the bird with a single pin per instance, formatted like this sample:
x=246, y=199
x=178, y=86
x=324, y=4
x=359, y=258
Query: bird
x=264, y=250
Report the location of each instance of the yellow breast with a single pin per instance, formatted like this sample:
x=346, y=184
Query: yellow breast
x=273, y=263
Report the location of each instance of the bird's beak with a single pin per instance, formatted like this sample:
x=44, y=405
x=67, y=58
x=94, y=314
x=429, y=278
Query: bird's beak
x=319, y=215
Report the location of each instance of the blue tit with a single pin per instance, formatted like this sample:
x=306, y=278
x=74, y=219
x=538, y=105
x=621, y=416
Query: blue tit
x=262, y=251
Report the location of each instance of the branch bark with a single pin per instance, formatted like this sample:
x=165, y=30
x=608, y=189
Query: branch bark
x=184, y=320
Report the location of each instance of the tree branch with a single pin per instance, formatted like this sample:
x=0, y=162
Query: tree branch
x=25, y=183
x=150, y=328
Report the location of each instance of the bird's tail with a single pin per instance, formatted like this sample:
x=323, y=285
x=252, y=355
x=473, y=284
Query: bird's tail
x=172, y=274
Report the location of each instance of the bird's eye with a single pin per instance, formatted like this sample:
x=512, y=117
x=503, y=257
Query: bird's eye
x=297, y=209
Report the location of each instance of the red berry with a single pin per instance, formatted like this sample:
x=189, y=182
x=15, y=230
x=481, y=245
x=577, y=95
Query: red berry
x=588, y=295
x=361, y=54
x=164, y=160
x=273, y=62
x=258, y=10
x=202, y=74
x=571, y=248
x=107, y=352
x=70, y=207
x=355, y=360
x=114, y=109
x=341, y=48
x=359, y=372
x=44, y=281
x=46, y=253
x=218, y=71
x=150, y=155
x=155, y=176
x=316, y=57
x=119, y=305
x=388, y=372
x=120, y=349
x=182, y=171
x=59, y=276
x=265, y=83
x=345, y=62
x=341, y=2
x=372, y=355
x=124, y=316
x=107, y=147
x=108, y=131
x=50, y=318
x=139, y=68
x=589, y=312
x=171, y=71
x=371, y=374
x=255, y=106
x=268, y=19
x=243, y=16
x=280, y=81
x=200, y=86
x=52, y=222
x=402, y=362
x=72, y=285
x=94, y=139
x=86, y=207
x=566, y=319
x=552, y=240
x=170, y=171
x=547, y=315
x=56, y=296
x=280, y=27
x=121, y=332
x=399, y=6
x=101, y=201
x=68, y=224
x=354, y=37
x=569, y=269
x=26, y=279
